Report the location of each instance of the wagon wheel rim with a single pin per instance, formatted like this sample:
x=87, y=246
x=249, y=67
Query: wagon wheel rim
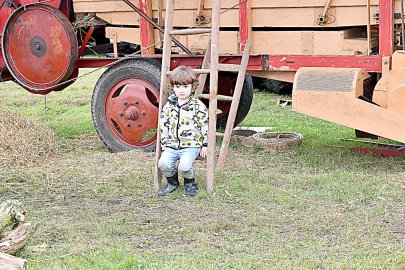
x=131, y=111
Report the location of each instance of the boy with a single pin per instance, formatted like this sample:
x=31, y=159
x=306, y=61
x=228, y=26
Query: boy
x=184, y=131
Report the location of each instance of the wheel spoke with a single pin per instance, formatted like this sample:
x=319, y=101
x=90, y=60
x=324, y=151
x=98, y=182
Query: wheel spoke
x=114, y=108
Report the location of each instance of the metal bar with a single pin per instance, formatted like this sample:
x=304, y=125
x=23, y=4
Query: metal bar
x=374, y=143
x=146, y=29
x=184, y=48
x=281, y=63
x=326, y=8
x=85, y=41
x=293, y=62
x=386, y=27
x=386, y=153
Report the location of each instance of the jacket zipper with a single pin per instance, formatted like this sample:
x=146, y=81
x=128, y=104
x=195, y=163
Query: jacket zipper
x=177, y=129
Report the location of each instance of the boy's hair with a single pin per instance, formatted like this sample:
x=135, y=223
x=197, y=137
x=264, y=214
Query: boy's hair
x=183, y=75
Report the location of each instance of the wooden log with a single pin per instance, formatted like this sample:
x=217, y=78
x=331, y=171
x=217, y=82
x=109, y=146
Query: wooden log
x=17, y=238
x=9, y=262
x=10, y=213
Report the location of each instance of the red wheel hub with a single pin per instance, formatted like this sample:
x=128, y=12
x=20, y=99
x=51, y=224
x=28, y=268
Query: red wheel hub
x=131, y=111
x=47, y=48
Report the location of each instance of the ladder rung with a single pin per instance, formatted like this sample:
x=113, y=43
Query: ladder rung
x=194, y=31
x=219, y=97
x=229, y=67
x=219, y=134
x=197, y=71
x=201, y=71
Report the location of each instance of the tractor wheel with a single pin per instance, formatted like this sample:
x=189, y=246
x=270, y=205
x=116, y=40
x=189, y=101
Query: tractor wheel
x=226, y=85
x=125, y=105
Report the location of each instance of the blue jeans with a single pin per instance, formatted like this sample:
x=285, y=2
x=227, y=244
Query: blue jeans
x=185, y=155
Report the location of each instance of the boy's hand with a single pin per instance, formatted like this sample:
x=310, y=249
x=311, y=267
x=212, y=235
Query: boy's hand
x=203, y=152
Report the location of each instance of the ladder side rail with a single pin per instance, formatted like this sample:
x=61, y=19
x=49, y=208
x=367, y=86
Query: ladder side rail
x=234, y=106
x=215, y=23
x=167, y=43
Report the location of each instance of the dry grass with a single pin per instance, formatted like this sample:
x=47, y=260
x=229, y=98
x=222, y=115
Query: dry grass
x=24, y=142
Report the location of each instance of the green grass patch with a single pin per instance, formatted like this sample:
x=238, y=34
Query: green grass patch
x=308, y=207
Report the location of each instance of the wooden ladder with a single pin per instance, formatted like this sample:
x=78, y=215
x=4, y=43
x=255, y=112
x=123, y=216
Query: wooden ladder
x=210, y=66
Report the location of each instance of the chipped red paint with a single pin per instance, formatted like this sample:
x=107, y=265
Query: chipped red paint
x=144, y=29
x=386, y=26
x=243, y=24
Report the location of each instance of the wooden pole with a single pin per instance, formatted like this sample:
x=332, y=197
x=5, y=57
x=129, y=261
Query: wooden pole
x=203, y=77
x=115, y=46
x=167, y=43
x=368, y=28
x=234, y=106
x=216, y=6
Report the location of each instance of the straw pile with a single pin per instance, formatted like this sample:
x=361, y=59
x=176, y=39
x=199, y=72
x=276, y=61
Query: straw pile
x=87, y=19
x=24, y=142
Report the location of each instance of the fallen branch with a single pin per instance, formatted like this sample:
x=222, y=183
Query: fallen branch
x=16, y=238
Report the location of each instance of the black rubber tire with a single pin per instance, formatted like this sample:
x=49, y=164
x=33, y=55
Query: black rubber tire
x=245, y=102
x=145, y=69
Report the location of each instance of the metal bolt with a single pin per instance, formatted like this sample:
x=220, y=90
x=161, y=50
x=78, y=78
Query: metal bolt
x=139, y=124
x=128, y=124
x=125, y=102
x=136, y=102
x=121, y=114
x=143, y=113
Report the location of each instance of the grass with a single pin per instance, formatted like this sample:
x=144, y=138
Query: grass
x=304, y=208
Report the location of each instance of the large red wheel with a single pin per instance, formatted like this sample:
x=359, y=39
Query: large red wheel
x=47, y=48
x=9, y=7
x=125, y=105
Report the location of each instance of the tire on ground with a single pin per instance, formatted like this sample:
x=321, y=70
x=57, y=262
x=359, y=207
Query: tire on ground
x=145, y=69
x=244, y=104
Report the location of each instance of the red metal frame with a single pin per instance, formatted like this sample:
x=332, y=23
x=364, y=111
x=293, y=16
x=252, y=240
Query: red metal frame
x=386, y=27
x=144, y=29
x=243, y=24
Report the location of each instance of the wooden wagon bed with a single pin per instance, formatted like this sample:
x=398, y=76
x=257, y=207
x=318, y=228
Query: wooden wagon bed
x=278, y=26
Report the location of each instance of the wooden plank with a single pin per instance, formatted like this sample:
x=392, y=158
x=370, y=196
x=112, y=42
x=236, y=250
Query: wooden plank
x=267, y=42
x=300, y=17
x=193, y=4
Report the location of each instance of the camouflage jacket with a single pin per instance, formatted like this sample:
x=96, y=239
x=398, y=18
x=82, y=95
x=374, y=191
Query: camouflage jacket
x=183, y=126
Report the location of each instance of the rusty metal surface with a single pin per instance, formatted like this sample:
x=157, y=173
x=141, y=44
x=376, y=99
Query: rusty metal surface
x=47, y=51
x=7, y=7
x=131, y=111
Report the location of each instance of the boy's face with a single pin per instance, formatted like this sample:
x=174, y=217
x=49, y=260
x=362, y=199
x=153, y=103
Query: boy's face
x=182, y=91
